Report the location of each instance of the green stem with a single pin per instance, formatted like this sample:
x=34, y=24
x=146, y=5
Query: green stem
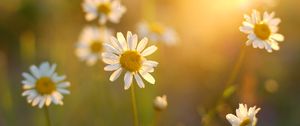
x=233, y=75
x=156, y=118
x=47, y=115
x=134, y=108
x=237, y=67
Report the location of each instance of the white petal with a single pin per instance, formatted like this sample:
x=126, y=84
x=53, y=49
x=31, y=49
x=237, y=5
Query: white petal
x=48, y=100
x=35, y=71
x=139, y=81
x=122, y=41
x=112, y=67
x=64, y=84
x=57, y=78
x=147, y=69
x=44, y=68
x=115, y=43
x=31, y=96
x=132, y=41
x=90, y=16
x=251, y=36
x=249, y=42
x=109, y=61
x=111, y=49
x=278, y=37
x=27, y=86
x=246, y=29
x=260, y=44
x=27, y=83
x=275, y=22
x=148, y=51
x=148, y=77
x=51, y=70
x=36, y=100
x=42, y=101
x=128, y=80
x=110, y=56
x=142, y=44
x=28, y=77
x=63, y=91
x=27, y=92
x=234, y=121
x=115, y=75
x=150, y=63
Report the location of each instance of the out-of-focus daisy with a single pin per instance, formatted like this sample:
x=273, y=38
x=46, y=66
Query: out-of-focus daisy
x=129, y=55
x=156, y=32
x=90, y=45
x=160, y=103
x=244, y=117
x=104, y=10
x=262, y=31
x=43, y=86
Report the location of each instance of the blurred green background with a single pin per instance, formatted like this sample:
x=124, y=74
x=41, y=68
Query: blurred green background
x=192, y=74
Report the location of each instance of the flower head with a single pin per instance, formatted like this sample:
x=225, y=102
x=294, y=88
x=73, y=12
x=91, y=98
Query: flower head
x=156, y=32
x=244, y=117
x=44, y=85
x=160, y=103
x=90, y=44
x=129, y=55
x=262, y=31
x=105, y=10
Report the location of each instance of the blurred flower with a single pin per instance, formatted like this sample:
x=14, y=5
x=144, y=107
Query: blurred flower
x=157, y=32
x=129, y=55
x=111, y=10
x=160, y=103
x=262, y=33
x=244, y=116
x=90, y=45
x=44, y=85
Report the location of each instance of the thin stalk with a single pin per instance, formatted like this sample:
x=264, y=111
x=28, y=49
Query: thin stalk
x=156, y=118
x=233, y=75
x=237, y=67
x=134, y=108
x=47, y=115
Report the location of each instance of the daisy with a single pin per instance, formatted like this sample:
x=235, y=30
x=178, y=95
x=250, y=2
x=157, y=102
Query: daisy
x=157, y=32
x=262, y=31
x=105, y=10
x=244, y=116
x=128, y=55
x=90, y=44
x=160, y=103
x=44, y=86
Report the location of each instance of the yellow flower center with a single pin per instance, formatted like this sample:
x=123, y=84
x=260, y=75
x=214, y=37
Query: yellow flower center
x=262, y=31
x=156, y=28
x=131, y=61
x=245, y=122
x=45, y=85
x=104, y=8
x=96, y=47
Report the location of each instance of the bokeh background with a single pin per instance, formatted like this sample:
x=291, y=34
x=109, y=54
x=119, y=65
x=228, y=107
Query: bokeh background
x=192, y=74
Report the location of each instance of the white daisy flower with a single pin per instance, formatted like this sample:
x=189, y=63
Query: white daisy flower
x=90, y=44
x=105, y=10
x=44, y=85
x=244, y=117
x=129, y=55
x=160, y=103
x=157, y=32
x=262, y=31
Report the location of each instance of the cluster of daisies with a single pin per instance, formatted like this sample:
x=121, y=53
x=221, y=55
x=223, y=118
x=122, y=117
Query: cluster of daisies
x=127, y=54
